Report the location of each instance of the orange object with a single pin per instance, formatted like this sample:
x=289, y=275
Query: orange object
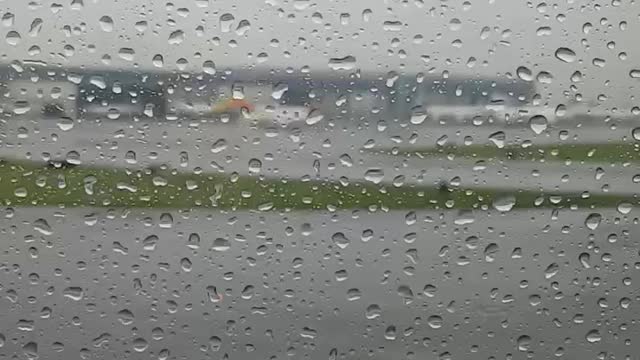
x=233, y=104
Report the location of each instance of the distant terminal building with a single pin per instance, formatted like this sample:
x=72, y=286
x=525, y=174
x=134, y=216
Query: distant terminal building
x=31, y=88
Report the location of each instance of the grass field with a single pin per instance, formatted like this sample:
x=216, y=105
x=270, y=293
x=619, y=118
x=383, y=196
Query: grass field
x=31, y=184
x=587, y=153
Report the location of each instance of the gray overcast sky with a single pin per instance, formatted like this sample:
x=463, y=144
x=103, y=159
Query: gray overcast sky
x=422, y=36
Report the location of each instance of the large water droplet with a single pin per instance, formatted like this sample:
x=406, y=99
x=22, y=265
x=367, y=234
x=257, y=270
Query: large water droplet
x=73, y=292
x=435, y=321
x=593, y=336
x=551, y=270
x=584, y=260
x=140, y=344
x=524, y=73
x=504, y=203
x=106, y=23
x=566, y=55
x=221, y=244
x=343, y=63
x=538, y=124
x=340, y=240
x=13, y=38
x=524, y=342
x=593, y=221
x=374, y=175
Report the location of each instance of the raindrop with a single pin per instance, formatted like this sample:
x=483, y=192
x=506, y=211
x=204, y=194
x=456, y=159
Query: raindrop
x=193, y=241
x=435, y=321
x=140, y=344
x=418, y=115
x=314, y=117
x=374, y=175
x=593, y=336
x=340, y=240
x=127, y=54
x=42, y=226
x=524, y=73
x=65, y=124
x=584, y=260
x=30, y=350
x=524, y=342
x=73, y=292
x=176, y=37
x=158, y=61
x=538, y=124
x=490, y=252
x=150, y=242
x=213, y=295
x=255, y=166
x=186, y=264
x=624, y=208
x=106, y=23
x=13, y=38
x=35, y=27
x=209, y=67
x=344, y=63
x=551, y=270
x=125, y=317
x=505, y=203
x=373, y=311
x=566, y=55
x=226, y=22
x=593, y=221
x=221, y=244
x=498, y=138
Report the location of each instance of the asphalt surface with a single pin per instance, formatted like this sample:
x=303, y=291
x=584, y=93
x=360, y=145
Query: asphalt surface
x=114, y=284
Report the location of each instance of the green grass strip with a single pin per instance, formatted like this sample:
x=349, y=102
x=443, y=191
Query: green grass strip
x=31, y=184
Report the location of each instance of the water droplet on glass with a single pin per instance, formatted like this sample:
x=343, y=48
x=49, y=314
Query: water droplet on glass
x=221, y=244
x=505, y=203
x=435, y=321
x=13, y=38
x=314, y=117
x=140, y=344
x=226, y=22
x=106, y=23
x=490, y=252
x=176, y=37
x=374, y=175
x=73, y=292
x=593, y=336
x=584, y=260
x=498, y=138
x=340, y=240
x=566, y=55
x=343, y=63
x=551, y=270
x=524, y=342
x=593, y=221
x=538, y=124
x=524, y=73
x=158, y=61
x=255, y=166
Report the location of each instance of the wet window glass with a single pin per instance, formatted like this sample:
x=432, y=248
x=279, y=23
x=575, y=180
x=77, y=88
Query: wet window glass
x=290, y=179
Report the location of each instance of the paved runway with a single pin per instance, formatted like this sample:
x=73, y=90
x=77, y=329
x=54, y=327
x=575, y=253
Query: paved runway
x=98, y=283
